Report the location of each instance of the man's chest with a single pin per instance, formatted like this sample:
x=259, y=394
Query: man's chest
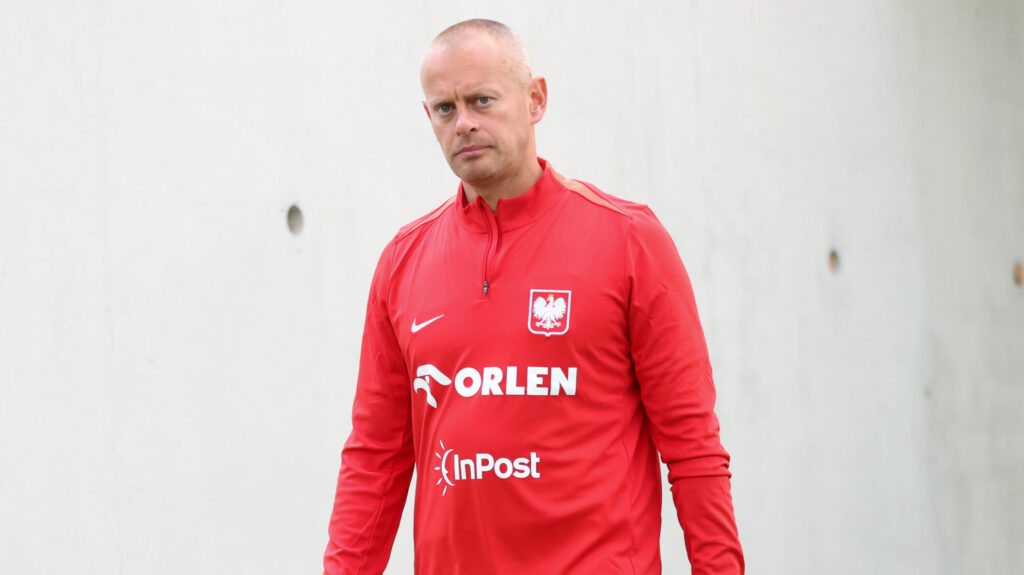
x=543, y=301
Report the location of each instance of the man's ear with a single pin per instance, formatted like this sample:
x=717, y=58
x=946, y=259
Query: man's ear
x=426, y=109
x=538, y=98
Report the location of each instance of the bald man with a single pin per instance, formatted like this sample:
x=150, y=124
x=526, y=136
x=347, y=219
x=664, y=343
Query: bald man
x=531, y=348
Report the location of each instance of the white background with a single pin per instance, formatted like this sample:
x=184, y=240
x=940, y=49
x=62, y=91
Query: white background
x=177, y=369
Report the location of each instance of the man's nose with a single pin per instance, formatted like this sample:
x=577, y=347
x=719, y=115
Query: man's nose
x=465, y=122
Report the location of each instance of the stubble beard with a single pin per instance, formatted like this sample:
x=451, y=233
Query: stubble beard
x=494, y=165
x=480, y=170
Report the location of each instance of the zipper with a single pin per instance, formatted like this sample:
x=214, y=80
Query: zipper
x=493, y=241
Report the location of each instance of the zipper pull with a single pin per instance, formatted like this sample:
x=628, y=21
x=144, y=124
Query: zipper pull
x=485, y=287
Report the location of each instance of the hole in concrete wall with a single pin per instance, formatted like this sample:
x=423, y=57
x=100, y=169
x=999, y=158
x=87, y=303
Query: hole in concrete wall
x=833, y=260
x=295, y=220
x=1018, y=274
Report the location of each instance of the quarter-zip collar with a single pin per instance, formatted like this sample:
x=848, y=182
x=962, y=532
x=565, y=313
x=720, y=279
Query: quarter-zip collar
x=514, y=212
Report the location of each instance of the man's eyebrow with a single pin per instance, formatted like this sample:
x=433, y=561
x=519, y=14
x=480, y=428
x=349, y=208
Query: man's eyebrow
x=488, y=91
x=482, y=89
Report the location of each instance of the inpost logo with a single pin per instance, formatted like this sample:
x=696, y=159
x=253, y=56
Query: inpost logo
x=478, y=466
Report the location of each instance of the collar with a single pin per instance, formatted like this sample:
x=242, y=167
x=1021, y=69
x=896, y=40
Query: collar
x=514, y=212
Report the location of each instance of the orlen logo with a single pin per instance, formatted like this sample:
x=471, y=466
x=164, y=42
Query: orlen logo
x=498, y=381
x=481, y=464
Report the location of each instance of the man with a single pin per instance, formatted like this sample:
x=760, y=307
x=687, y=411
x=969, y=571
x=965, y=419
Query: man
x=530, y=347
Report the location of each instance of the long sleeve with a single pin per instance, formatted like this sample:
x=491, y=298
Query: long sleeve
x=674, y=374
x=377, y=460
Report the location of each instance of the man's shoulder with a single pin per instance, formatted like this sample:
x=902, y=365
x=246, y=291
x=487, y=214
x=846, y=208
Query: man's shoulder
x=636, y=221
x=588, y=193
x=424, y=221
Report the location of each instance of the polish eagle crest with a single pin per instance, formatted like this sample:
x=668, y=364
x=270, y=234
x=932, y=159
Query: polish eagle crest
x=549, y=311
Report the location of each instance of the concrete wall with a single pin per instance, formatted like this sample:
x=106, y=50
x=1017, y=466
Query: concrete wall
x=177, y=368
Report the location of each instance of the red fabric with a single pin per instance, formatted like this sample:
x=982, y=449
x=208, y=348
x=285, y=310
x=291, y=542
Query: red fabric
x=535, y=435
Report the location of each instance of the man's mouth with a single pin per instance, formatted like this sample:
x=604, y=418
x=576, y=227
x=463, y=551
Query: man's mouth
x=470, y=150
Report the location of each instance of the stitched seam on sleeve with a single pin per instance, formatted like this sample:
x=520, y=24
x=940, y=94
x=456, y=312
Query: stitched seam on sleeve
x=376, y=519
x=625, y=452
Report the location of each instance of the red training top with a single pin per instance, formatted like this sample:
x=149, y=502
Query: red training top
x=532, y=362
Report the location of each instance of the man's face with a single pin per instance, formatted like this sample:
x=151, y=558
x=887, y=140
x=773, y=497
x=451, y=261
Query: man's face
x=482, y=114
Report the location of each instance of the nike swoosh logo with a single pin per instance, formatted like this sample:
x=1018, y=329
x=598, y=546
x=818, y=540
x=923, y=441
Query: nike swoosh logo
x=415, y=328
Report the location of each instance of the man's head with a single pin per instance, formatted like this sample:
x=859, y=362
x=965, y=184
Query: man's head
x=483, y=103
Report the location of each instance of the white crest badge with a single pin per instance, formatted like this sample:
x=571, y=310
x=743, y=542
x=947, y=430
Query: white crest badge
x=549, y=311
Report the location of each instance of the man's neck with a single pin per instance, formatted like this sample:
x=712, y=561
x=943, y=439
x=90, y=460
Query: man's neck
x=504, y=189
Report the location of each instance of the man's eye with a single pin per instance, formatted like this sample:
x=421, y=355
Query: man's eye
x=444, y=108
x=484, y=100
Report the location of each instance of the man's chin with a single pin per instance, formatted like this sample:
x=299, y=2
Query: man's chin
x=473, y=171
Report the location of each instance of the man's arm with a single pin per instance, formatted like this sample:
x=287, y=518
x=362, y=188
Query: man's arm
x=377, y=461
x=674, y=374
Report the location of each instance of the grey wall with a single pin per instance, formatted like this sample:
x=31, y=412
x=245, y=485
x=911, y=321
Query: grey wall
x=177, y=369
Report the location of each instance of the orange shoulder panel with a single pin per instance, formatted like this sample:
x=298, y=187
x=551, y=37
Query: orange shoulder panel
x=587, y=193
x=428, y=218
